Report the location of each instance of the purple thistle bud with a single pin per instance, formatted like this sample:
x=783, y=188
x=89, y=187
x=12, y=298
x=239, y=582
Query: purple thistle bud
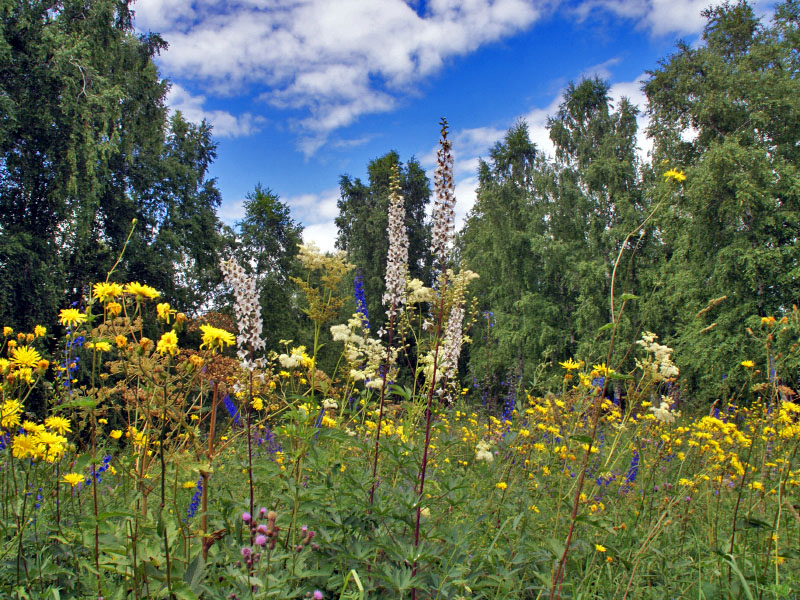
x=246, y=517
x=246, y=552
x=317, y=595
x=261, y=540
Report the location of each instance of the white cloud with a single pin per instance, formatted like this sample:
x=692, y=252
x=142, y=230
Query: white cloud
x=317, y=212
x=225, y=124
x=331, y=61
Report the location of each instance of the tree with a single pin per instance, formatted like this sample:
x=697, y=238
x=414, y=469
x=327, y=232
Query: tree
x=267, y=244
x=363, y=219
x=726, y=111
x=85, y=147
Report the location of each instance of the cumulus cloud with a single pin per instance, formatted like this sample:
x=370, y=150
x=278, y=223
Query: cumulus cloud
x=225, y=124
x=330, y=61
x=317, y=212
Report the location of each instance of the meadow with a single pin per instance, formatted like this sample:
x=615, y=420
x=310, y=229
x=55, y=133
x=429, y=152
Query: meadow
x=157, y=469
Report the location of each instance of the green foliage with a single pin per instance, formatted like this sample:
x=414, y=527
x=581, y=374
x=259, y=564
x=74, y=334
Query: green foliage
x=363, y=219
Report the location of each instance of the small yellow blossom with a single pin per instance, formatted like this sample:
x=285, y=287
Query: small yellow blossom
x=168, y=344
x=188, y=485
x=71, y=317
x=99, y=346
x=600, y=548
x=59, y=424
x=501, y=485
x=39, y=331
x=115, y=434
x=7, y=331
x=748, y=364
x=105, y=291
x=164, y=311
x=570, y=365
x=121, y=341
x=114, y=308
x=142, y=291
x=215, y=338
x=25, y=356
x=674, y=175
x=73, y=478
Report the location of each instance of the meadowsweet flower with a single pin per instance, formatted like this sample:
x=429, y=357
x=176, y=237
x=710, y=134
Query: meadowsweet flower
x=215, y=338
x=168, y=344
x=483, y=452
x=73, y=479
x=397, y=258
x=142, y=292
x=59, y=424
x=24, y=356
x=105, y=291
x=71, y=317
x=674, y=175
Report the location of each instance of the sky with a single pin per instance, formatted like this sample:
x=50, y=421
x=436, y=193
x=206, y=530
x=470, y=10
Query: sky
x=300, y=92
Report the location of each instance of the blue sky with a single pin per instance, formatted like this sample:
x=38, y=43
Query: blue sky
x=302, y=91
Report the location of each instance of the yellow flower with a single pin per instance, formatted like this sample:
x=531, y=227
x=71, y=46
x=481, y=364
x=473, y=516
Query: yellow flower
x=9, y=413
x=570, y=365
x=164, y=311
x=25, y=356
x=188, y=485
x=257, y=403
x=59, y=424
x=114, y=308
x=100, y=346
x=121, y=341
x=213, y=337
x=39, y=331
x=142, y=291
x=71, y=317
x=599, y=547
x=12, y=344
x=168, y=344
x=105, y=291
x=102, y=421
x=197, y=361
x=501, y=485
x=31, y=427
x=674, y=175
x=748, y=364
x=115, y=434
x=73, y=478
x=768, y=321
x=23, y=446
x=7, y=331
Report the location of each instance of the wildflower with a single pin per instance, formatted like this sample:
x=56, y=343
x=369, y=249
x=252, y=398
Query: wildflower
x=103, y=421
x=168, y=344
x=748, y=364
x=443, y=230
x=397, y=258
x=189, y=485
x=633, y=469
x=361, y=302
x=10, y=413
x=195, y=503
x=115, y=434
x=246, y=516
x=43, y=365
x=121, y=341
x=501, y=485
x=453, y=340
x=25, y=356
x=599, y=547
x=100, y=346
x=59, y=424
x=317, y=595
x=24, y=446
x=232, y=410
x=197, y=361
x=7, y=331
x=73, y=479
x=39, y=331
x=164, y=311
x=257, y=403
x=570, y=365
x=261, y=540
x=142, y=291
x=246, y=307
x=674, y=175
x=71, y=317
x=105, y=291
x=214, y=338
x=768, y=321
x=114, y=308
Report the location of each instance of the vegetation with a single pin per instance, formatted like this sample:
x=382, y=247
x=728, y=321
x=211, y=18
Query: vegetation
x=190, y=411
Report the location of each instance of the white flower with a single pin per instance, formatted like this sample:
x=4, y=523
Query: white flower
x=397, y=258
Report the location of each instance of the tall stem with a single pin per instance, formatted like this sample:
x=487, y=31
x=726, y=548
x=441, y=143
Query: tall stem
x=380, y=409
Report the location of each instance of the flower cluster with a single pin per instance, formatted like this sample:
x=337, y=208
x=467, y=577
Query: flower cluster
x=397, y=258
x=444, y=205
x=361, y=301
x=247, y=309
x=659, y=364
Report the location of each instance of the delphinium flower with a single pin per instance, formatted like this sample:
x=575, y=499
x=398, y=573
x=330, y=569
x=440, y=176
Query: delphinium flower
x=195, y=503
x=361, y=301
x=232, y=411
